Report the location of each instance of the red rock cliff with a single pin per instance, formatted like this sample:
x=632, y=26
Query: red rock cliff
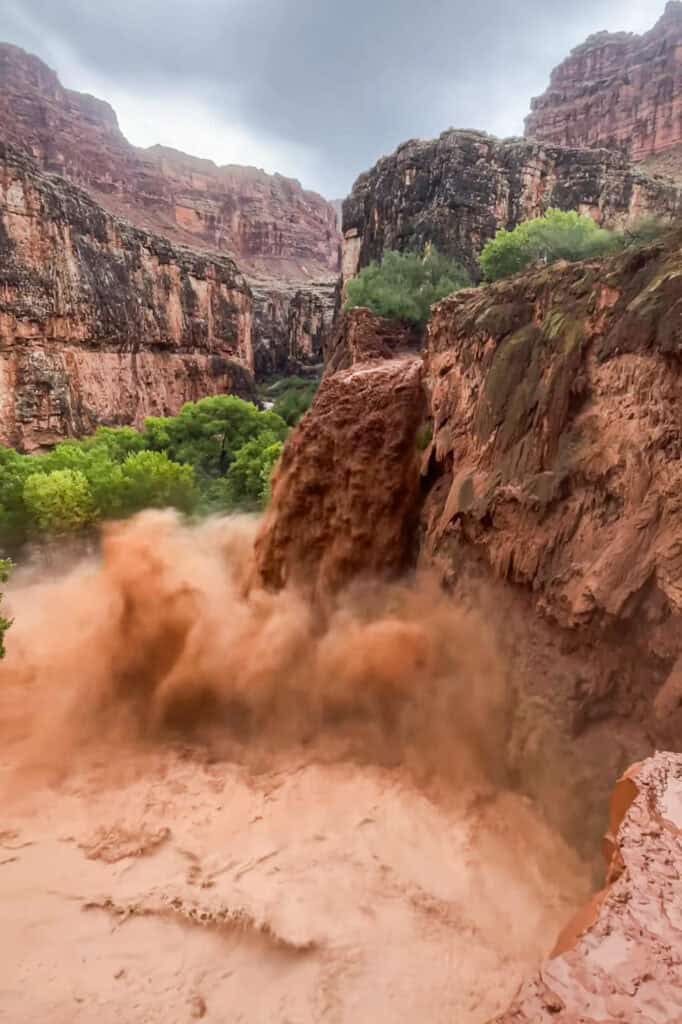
x=269, y=223
x=550, y=491
x=618, y=90
x=458, y=190
x=101, y=322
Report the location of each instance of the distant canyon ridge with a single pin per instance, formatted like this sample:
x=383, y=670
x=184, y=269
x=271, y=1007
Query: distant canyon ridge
x=133, y=280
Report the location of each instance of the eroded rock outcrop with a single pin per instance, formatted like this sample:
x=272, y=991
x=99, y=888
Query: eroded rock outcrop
x=553, y=478
x=101, y=322
x=618, y=90
x=619, y=959
x=458, y=190
x=549, y=495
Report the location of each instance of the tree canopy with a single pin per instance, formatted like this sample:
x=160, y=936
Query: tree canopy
x=404, y=286
x=558, y=235
x=216, y=455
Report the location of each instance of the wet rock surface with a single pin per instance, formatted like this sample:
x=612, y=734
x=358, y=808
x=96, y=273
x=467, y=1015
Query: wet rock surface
x=547, y=496
x=551, y=487
x=620, y=957
x=101, y=322
x=619, y=90
x=346, y=494
x=458, y=190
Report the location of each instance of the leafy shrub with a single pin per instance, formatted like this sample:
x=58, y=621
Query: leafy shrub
x=294, y=403
x=558, y=235
x=185, y=462
x=150, y=480
x=644, y=231
x=247, y=484
x=5, y=567
x=404, y=286
x=207, y=434
x=59, y=502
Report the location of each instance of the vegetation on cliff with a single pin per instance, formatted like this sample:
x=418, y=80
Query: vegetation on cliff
x=559, y=235
x=215, y=456
x=404, y=286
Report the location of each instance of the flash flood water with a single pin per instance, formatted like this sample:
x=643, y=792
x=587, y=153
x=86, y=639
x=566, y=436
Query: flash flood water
x=232, y=805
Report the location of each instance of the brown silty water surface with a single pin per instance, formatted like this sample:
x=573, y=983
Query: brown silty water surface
x=232, y=805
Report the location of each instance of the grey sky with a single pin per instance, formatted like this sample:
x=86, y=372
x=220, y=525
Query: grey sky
x=317, y=89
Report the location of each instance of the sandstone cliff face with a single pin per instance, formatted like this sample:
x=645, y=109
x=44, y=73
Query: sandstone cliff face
x=553, y=477
x=618, y=90
x=620, y=958
x=458, y=190
x=101, y=322
x=267, y=222
x=549, y=494
x=290, y=326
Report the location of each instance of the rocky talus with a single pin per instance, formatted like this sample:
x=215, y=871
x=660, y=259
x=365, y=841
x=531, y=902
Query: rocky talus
x=458, y=190
x=618, y=90
x=548, y=493
x=101, y=322
x=619, y=959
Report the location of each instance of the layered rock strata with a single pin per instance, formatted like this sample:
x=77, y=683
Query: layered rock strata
x=291, y=324
x=618, y=90
x=269, y=223
x=548, y=495
x=102, y=323
x=458, y=190
x=285, y=238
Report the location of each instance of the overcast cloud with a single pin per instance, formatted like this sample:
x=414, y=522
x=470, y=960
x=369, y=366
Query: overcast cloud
x=316, y=89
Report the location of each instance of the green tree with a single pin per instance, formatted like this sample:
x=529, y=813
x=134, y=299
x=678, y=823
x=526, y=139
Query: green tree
x=5, y=567
x=59, y=502
x=246, y=487
x=644, y=231
x=293, y=403
x=150, y=480
x=404, y=286
x=14, y=470
x=559, y=235
x=249, y=474
x=207, y=434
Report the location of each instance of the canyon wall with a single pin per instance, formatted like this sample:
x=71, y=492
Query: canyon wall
x=269, y=223
x=549, y=495
x=291, y=324
x=621, y=91
x=458, y=190
x=285, y=238
x=102, y=323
